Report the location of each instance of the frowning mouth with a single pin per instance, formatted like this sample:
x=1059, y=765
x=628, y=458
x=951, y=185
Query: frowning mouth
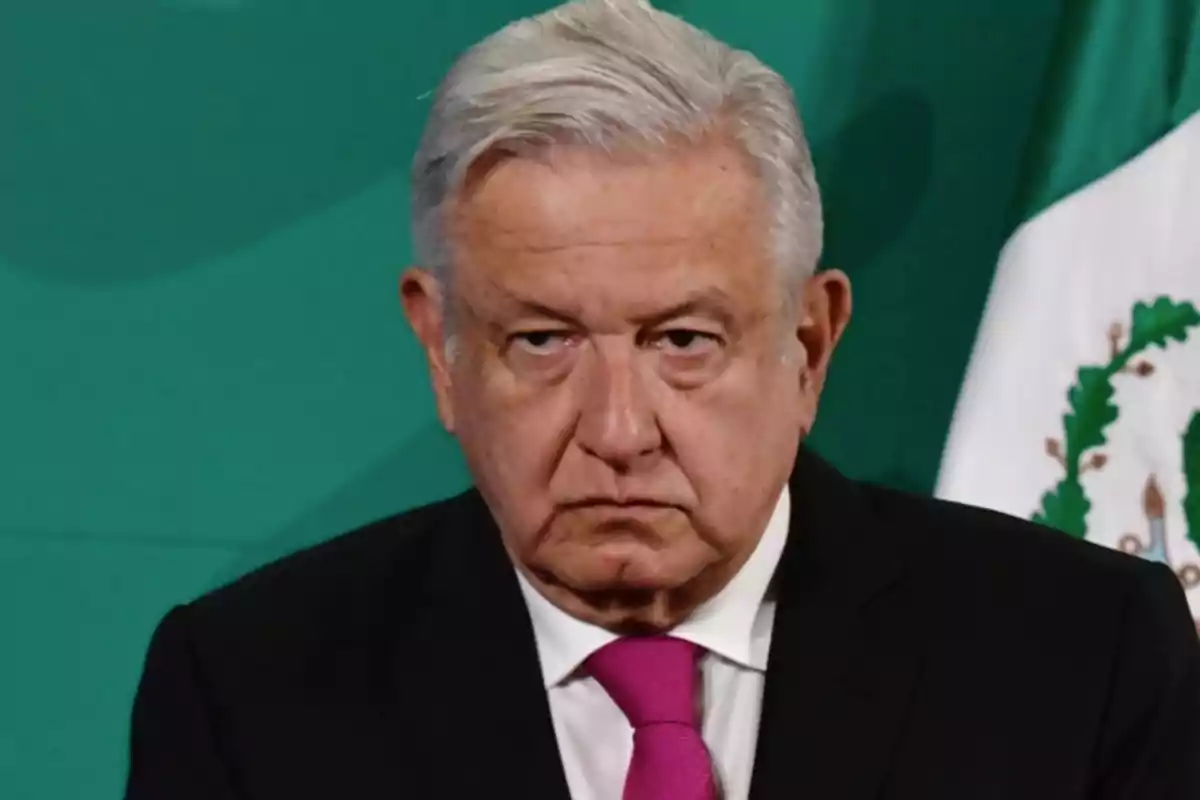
x=608, y=522
x=627, y=504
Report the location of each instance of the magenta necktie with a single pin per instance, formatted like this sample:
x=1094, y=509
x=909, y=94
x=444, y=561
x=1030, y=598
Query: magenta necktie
x=653, y=680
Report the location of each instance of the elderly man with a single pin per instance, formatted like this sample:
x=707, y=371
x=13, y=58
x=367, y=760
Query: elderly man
x=654, y=591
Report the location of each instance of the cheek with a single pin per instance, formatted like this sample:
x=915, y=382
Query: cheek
x=712, y=444
x=727, y=438
x=509, y=455
x=510, y=441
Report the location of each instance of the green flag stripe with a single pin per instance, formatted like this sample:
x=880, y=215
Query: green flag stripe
x=1120, y=76
x=1188, y=99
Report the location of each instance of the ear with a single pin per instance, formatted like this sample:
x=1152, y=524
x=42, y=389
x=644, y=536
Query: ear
x=824, y=311
x=424, y=305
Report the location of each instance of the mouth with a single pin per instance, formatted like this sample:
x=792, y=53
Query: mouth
x=637, y=518
x=607, y=513
x=628, y=504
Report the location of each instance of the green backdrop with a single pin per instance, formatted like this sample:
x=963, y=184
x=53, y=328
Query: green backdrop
x=202, y=362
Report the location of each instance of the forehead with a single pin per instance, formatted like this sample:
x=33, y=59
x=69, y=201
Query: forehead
x=579, y=222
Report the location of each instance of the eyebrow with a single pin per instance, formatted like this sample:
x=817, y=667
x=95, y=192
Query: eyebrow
x=708, y=300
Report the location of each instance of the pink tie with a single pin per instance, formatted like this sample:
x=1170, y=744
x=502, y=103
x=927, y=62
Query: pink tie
x=653, y=680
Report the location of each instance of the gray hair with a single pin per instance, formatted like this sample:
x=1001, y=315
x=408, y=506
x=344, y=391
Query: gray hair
x=612, y=74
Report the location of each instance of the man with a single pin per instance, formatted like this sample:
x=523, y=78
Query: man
x=654, y=591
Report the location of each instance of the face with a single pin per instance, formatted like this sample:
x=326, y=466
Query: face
x=629, y=382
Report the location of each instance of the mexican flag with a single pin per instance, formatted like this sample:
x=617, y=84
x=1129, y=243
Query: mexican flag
x=1081, y=403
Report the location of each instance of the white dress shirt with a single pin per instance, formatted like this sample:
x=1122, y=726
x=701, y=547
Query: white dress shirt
x=595, y=741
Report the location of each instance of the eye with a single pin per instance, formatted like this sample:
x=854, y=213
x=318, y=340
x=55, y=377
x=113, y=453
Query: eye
x=541, y=342
x=686, y=341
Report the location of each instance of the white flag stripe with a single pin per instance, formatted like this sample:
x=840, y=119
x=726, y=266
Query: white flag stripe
x=1063, y=279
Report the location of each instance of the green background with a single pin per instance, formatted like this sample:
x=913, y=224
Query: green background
x=203, y=215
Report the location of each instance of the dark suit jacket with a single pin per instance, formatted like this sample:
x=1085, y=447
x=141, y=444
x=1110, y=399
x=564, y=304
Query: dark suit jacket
x=922, y=651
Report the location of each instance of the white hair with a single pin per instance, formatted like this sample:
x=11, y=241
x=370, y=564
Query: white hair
x=613, y=74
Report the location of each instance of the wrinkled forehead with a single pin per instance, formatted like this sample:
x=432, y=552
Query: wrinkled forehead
x=561, y=191
x=577, y=222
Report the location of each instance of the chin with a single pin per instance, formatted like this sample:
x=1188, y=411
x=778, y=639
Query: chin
x=629, y=597
x=625, y=571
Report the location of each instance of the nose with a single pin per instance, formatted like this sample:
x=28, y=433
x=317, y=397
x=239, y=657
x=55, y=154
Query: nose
x=617, y=421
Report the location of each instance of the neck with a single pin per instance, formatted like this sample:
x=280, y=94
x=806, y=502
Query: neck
x=640, y=611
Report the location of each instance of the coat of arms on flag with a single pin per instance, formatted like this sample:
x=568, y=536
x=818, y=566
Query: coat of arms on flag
x=1080, y=448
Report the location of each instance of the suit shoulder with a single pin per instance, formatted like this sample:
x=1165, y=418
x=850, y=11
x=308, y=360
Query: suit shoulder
x=1018, y=564
x=330, y=579
x=989, y=536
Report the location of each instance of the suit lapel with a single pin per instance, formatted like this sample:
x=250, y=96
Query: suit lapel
x=845, y=648
x=486, y=730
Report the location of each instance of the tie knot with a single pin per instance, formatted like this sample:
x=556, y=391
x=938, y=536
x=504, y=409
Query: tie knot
x=650, y=678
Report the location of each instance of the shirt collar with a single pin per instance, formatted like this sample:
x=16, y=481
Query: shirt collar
x=735, y=623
